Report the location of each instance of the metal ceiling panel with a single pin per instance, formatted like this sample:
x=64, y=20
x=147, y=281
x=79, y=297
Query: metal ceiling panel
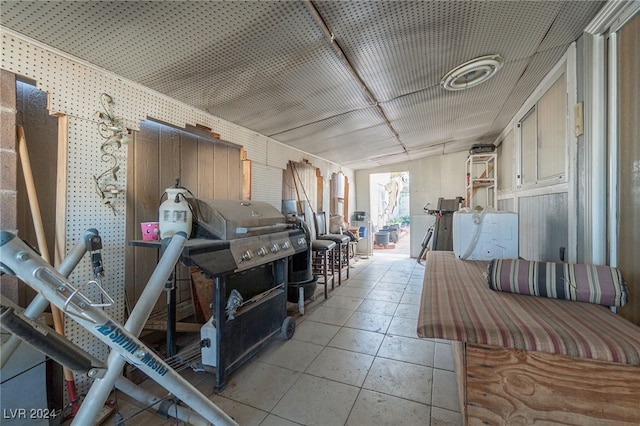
x=570, y=23
x=540, y=65
x=334, y=139
x=402, y=47
x=263, y=65
x=435, y=115
x=333, y=127
x=267, y=65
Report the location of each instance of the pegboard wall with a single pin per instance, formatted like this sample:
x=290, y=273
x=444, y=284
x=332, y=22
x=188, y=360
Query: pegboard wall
x=74, y=87
x=84, y=211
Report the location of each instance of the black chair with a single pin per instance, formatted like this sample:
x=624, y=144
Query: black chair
x=322, y=253
x=341, y=255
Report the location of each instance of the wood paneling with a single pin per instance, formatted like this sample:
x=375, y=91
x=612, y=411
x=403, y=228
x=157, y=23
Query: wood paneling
x=189, y=157
x=511, y=386
x=145, y=155
x=41, y=135
x=158, y=155
x=628, y=164
x=221, y=181
x=169, y=157
x=235, y=175
x=205, y=169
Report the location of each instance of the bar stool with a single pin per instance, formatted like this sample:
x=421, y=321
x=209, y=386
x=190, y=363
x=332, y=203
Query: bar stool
x=322, y=253
x=341, y=254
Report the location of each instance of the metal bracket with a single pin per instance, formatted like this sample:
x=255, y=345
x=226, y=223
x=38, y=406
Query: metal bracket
x=86, y=299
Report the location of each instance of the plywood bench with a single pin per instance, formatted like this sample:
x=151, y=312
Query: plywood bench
x=525, y=359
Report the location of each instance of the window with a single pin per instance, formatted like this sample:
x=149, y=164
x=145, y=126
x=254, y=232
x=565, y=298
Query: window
x=505, y=162
x=552, y=117
x=528, y=143
x=543, y=136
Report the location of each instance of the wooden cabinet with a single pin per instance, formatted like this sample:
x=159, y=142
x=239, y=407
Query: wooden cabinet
x=482, y=180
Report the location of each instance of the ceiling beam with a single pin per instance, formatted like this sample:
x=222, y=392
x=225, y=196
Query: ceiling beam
x=331, y=38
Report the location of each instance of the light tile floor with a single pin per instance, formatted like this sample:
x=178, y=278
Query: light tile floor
x=355, y=359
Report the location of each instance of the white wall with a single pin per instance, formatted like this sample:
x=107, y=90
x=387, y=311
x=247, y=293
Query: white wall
x=429, y=179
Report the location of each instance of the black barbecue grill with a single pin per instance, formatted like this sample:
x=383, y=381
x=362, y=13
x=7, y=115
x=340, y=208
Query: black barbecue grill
x=245, y=248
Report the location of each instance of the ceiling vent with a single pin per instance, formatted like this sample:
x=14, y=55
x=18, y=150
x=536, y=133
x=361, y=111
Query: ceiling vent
x=472, y=73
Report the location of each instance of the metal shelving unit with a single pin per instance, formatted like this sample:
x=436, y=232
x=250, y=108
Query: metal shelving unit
x=482, y=182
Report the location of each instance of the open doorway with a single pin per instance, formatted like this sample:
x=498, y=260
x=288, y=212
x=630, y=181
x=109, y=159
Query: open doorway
x=390, y=215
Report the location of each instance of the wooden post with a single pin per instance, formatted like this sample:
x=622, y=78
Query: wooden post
x=34, y=206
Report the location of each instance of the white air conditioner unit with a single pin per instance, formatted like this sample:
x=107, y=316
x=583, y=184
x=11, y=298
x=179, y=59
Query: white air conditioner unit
x=485, y=235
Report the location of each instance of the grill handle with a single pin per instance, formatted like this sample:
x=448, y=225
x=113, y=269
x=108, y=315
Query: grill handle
x=242, y=230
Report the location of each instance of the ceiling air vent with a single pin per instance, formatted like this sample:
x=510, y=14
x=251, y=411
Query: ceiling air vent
x=472, y=73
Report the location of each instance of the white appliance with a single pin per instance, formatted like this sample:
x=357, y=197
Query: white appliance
x=485, y=235
x=208, y=343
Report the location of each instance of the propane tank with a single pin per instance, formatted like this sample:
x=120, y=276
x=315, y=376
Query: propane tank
x=175, y=213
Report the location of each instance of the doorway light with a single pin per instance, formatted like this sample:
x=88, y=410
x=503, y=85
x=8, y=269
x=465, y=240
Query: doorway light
x=472, y=73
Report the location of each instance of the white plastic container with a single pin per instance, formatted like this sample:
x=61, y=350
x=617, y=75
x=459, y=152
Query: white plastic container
x=493, y=235
x=174, y=214
x=208, y=343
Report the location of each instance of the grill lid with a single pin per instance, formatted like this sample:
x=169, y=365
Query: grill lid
x=231, y=219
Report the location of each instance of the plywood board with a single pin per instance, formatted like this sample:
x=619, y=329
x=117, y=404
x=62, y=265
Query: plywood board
x=460, y=366
x=511, y=386
x=203, y=293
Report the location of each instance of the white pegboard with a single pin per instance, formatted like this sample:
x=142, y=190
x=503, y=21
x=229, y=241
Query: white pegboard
x=266, y=184
x=74, y=89
x=278, y=155
x=85, y=211
x=255, y=145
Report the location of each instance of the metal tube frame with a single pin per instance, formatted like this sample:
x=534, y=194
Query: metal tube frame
x=20, y=260
x=39, y=303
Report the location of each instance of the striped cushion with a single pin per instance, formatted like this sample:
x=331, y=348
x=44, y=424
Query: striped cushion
x=457, y=304
x=599, y=284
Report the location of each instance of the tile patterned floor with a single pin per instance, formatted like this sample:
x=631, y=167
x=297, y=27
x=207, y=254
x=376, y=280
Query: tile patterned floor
x=355, y=359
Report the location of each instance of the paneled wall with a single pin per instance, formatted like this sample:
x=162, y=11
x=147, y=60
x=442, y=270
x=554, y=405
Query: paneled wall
x=629, y=164
x=157, y=156
x=430, y=178
x=544, y=226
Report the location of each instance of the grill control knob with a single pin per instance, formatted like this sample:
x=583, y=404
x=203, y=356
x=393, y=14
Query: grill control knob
x=285, y=245
x=274, y=248
x=246, y=255
x=302, y=241
x=261, y=251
